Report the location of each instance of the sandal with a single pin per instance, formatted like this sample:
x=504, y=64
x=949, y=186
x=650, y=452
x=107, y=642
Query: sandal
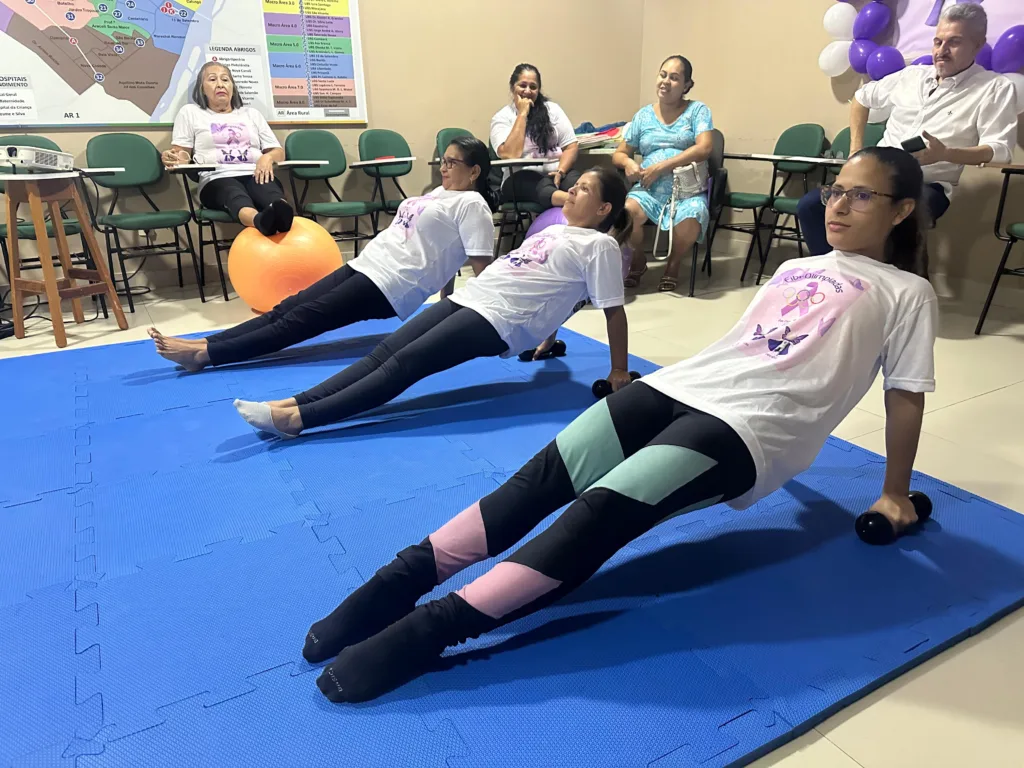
x=633, y=278
x=667, y=284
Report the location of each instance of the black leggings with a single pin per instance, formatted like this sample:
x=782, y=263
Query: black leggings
x=237, y=192
x=536, y=187
x=342, y=298
x=439, y=338
x=625, y=465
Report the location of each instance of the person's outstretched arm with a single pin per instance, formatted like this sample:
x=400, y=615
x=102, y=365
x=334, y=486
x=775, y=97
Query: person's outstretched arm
x=479, y=264
x=618, y=342
x=904, y=412
x=858, y=124
x=873, y=95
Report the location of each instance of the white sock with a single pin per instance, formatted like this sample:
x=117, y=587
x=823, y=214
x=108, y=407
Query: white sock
x=259, y=416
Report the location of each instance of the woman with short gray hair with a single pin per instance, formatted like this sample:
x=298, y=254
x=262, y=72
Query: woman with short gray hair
x=218, y=129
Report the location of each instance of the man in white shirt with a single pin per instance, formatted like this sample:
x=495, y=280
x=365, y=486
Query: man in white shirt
x=965, y=114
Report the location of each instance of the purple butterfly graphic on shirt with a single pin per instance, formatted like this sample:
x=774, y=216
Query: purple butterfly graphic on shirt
x=534, y=251
x=232, y=142
x=780, y=346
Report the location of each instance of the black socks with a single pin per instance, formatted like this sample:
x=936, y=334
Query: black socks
x=276, y=218
x=402, y=652
x=264, y=222
x=283, y=215
x=389, y=595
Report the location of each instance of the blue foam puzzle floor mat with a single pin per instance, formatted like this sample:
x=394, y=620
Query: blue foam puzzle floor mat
x=160, y=563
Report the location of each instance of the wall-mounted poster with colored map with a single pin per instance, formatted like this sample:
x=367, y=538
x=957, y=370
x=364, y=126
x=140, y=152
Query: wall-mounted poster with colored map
x=132, y=62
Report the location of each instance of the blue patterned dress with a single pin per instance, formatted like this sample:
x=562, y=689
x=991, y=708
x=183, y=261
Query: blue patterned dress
x=656, y=142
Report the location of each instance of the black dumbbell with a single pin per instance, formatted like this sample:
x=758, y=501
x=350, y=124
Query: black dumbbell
x=602, y=387
x=557, y=350
x=875, y=528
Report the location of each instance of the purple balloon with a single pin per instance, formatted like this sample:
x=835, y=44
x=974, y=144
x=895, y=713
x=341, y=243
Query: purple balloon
x=984, y=58
x=549, y=218
x=928, y=60
x=1008, y=53
x=872, y=21
x=860, y=50
x=884, y=62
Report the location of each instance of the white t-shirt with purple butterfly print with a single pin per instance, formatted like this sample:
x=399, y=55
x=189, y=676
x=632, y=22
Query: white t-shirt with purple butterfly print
x=426, y=244
x=528, y=293
x=237, y=138
x=804, y=353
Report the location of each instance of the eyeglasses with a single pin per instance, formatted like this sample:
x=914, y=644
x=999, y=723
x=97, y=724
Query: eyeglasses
x=859, y=197
x=451, y=162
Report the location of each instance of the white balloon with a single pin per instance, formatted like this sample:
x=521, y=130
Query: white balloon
x=835, y=59
x=839, y=21
x=1018, y=83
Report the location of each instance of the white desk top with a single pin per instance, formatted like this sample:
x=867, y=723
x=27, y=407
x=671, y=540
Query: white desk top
x=523, y=162
x=99, y=171
x=381, y=161
x=1005, y=167
x=786, y=158
x=77, y=172
x=184, y=167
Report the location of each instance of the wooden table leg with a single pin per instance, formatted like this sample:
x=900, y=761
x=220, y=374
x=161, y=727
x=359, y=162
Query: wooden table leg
x=101, y=264
x=35, y=205
x=17, y=300
x=64, y=254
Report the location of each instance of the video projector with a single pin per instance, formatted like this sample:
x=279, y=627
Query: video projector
x=37, y=159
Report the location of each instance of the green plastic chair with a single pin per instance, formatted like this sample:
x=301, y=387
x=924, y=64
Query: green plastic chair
x=514, y=217
x=444, y=138
x=316, y=144
x=840, y=148
x=804, y=140
x=378, y=142
x=142, y=169
x=1014, y=234
x=206, y=221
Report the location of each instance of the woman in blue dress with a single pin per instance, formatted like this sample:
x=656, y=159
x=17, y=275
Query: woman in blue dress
x=672, y=132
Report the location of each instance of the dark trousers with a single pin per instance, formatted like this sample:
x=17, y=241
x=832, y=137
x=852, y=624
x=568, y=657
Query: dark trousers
x=625, y=465
x=342, y=298
x=439, y=338
x=237, y=192
x=811, y=212
x=536, y=187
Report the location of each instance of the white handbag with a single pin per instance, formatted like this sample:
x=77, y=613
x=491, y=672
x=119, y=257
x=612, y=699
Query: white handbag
x=687, y=181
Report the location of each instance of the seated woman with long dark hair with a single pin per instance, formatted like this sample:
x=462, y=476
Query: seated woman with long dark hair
x=533, y=126
x=730, y=424
x=429, y=239
x=510, y=307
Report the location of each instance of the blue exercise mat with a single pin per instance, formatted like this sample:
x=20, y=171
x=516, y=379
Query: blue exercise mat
x=160, y=563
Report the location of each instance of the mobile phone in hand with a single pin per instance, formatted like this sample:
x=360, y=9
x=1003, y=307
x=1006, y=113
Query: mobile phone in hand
x=916, y=144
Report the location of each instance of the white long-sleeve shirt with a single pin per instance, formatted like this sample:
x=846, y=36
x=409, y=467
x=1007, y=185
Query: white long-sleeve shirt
x=974, y=108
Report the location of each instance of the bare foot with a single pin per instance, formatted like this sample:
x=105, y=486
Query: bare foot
x=287, y=419
x=289, y=403
x=190, y=356
x=159, y=338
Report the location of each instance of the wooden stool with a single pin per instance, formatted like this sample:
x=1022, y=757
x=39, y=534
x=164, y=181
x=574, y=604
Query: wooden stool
x=53, y=189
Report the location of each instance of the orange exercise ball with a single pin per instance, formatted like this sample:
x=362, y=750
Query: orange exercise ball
x=264, y=270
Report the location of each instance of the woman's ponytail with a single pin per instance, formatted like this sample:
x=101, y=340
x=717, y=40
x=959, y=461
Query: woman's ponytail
x=905, y=249
x=622, y=229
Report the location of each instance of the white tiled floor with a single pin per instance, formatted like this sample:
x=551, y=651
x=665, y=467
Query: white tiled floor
x=964, y=708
